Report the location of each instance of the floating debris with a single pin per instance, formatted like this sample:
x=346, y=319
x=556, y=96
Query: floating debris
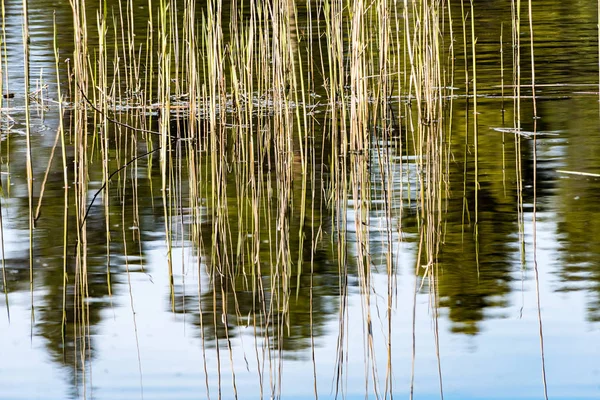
x=527, y=134
x=561, y=171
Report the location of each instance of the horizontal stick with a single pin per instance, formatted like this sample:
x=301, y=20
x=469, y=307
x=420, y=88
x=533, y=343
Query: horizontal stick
x=577, y=173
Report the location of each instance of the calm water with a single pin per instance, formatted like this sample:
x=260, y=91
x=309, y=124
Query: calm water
x=144, y=341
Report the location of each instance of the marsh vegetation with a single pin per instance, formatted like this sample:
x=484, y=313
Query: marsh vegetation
x=299, y=198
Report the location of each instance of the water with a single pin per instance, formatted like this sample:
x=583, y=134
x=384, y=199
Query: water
x=140, y=338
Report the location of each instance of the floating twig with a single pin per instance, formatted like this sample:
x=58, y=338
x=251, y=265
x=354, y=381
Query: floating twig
x=561, y=171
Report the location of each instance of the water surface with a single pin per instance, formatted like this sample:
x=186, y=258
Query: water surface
x=204, y=334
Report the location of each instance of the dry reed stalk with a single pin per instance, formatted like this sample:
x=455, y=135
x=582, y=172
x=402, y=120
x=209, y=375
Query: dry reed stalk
x=516, y=41
x=475, y=133
x=61, y=132
x=29, y=165
x=164, y=99
x=103, y=104
x=217, y=142
x=81, y=82
x=427, y=84
x=338, y=198
x=534, y=211
x=386, y=68
x=124, y=224
x=530, y=17
x=3, y=84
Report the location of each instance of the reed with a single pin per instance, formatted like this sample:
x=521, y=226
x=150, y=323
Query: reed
x=516, y=41
x=61, y=134
x=534, y=211
x=29, y=162
x=259, y=171
x=103, y=80
x=3, y=84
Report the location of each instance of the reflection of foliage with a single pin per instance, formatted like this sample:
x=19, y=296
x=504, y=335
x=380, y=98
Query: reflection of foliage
x=577, y=206
x=580, y=268
x=68, y=330
x=232, y=299
x=474, y=270
x=248, y=287
x=467, y=288
x=71, y=344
